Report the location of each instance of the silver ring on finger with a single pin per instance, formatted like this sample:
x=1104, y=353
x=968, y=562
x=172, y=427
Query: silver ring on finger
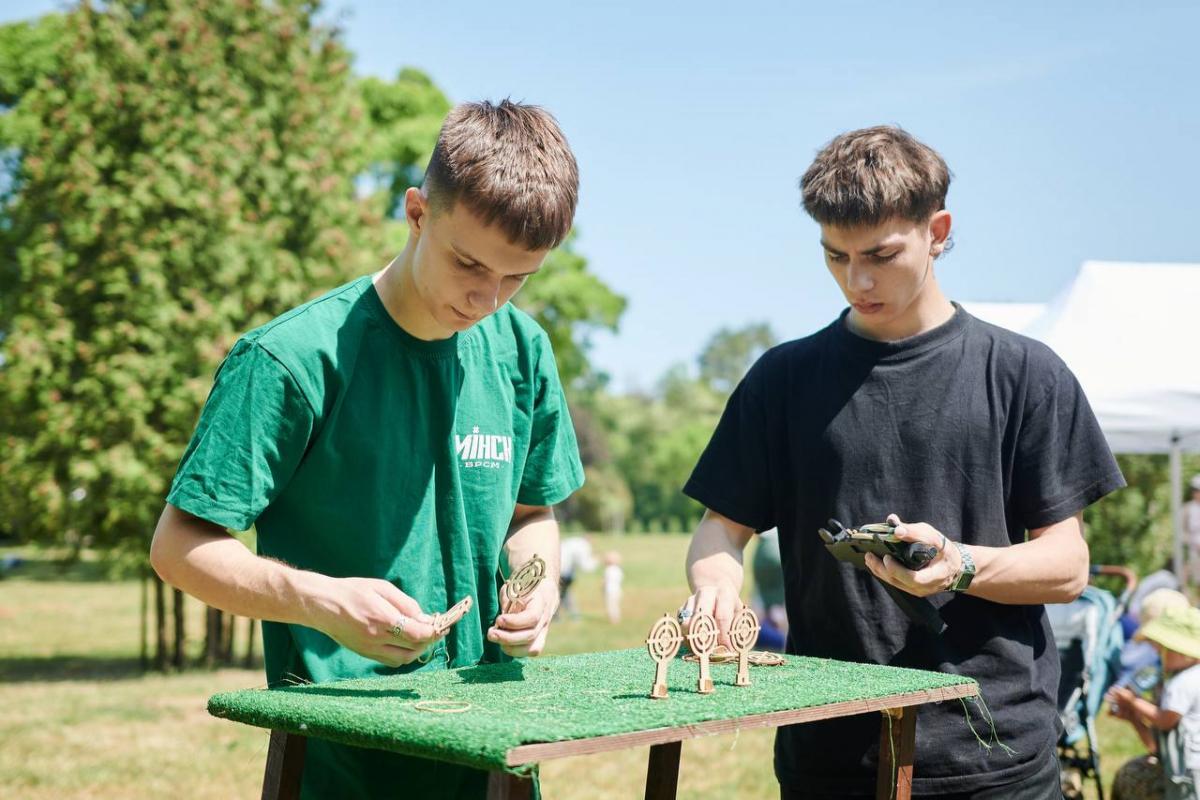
x=684, y=614
x=397, y=630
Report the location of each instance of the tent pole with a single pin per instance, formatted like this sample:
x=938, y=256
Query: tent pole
x=1181, y=570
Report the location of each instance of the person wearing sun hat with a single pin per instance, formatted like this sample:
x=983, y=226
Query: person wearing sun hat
x=1175, y=721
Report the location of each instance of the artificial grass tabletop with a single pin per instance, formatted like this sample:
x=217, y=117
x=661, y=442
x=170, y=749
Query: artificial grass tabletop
x=551, y=699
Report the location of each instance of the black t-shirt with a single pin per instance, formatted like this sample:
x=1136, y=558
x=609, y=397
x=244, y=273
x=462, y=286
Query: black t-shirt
x=973, y=429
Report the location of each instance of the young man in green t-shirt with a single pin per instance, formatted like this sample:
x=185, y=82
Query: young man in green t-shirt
x=393, y=442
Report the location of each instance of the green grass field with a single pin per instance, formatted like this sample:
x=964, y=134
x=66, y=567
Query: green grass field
x=78, y=718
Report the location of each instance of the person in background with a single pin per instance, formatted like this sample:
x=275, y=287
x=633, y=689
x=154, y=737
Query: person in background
x=613, y=577
x=1139, y=656
x=1191, y=530
x=575, y=556
x=1171, y=727
x=1163, y=578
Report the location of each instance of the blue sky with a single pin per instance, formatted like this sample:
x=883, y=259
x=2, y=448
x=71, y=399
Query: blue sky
x=1071, y=129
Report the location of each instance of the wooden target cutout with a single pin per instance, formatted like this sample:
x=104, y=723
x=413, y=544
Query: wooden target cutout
x=702, y=638
x=445, y=621
x=663, y=643
x=521, y=583
x=764, y=658
x=743, y=633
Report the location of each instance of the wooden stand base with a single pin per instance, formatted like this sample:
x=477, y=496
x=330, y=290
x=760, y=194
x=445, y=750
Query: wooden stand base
x=285, y=766
x=897, y=739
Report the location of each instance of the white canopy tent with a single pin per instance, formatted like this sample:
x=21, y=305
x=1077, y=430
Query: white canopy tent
x=1129, y=333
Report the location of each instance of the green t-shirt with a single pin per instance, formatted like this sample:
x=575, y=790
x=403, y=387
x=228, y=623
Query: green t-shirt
x=357, y=450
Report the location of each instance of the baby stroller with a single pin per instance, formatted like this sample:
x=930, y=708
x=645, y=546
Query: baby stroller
x=1089, y=637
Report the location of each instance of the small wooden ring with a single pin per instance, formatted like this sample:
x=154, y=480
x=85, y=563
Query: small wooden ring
x=443, y=706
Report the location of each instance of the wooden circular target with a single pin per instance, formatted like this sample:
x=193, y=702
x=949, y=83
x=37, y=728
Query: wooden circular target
x=702, y=635
x=522, y=582
x=744, y=630
x=664, y=639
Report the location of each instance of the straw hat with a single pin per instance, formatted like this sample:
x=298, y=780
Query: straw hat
x=1159, y=602
x=1175, y=630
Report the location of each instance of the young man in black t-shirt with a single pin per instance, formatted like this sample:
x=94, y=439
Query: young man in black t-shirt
x=970, y=438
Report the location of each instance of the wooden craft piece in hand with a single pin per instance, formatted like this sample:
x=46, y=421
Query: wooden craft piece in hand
x=663, y=643
x=445, y=621
x=743, y=633
x=702, y=638
x=520, y=584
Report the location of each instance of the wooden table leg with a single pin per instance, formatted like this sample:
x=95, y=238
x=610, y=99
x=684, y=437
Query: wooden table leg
x=285, y=765
x=897, y=740
x=662, y=774
x=506, y=786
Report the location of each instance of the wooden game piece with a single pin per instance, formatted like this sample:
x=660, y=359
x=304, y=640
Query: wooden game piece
x=721, y=655
x=743, y=633
x=445, y=621
x=765, y=658
x=663, y=643
x=443, y=706
x=520, y=584
x=702, y=638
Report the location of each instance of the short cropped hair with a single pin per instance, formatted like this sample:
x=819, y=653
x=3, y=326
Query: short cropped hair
x=511, y=166
x=871, y=175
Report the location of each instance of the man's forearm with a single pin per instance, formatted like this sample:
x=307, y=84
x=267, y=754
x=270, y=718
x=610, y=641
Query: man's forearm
x=217, y=569
x=715, y=555
x=1052, y=568
x=534, y=532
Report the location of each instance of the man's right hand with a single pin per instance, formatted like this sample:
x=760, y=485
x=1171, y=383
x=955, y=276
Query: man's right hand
x=374, y=619
x=720, y=601
x=202, y=559
x=714, y=569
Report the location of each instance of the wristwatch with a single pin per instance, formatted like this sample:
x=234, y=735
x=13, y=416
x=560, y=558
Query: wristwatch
x=966, y=573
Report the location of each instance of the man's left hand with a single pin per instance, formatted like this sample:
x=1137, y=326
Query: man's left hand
x=937, y=574
x=521, y=629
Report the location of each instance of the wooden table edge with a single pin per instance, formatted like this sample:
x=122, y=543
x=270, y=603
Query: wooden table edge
x=546, y=751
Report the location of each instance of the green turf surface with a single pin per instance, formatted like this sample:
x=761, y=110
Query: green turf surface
x=550, y=700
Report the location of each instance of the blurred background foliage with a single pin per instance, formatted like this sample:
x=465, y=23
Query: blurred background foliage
x=173, y=174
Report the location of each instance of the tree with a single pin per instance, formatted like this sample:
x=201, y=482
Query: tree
x=403, y=120
x=28, y=51
x=182, y=172
x=604, y=503
x=570, y=303
x=189, y=178
x=730, y=352
x=655, y=439
x=1132, y=527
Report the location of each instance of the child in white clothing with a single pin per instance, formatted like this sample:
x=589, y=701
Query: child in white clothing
x=613, y=575
x=1175, y=722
